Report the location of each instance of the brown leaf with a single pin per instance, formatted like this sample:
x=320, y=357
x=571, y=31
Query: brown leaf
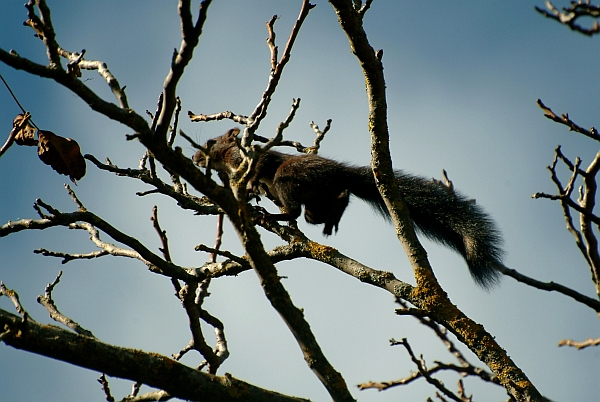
x=62, y=154
x=26, y=134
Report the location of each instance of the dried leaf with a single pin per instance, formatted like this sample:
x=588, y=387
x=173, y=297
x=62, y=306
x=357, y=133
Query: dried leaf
x=62, y=154
x=26, y=134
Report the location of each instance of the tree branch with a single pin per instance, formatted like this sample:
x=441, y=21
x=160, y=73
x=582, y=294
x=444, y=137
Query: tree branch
x=428, y=295
x=190, y=39
x=564, y=119
x=56, y=315
x=580, y=345
x=90, y=222
x=570, y=15
x=152, y=369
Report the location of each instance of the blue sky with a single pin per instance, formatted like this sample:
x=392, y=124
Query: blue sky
x=462, y=81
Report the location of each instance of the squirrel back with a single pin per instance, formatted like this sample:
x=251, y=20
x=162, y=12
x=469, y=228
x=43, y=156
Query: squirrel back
x=323, y=186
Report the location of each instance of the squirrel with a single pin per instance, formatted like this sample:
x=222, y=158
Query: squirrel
x=323, y=186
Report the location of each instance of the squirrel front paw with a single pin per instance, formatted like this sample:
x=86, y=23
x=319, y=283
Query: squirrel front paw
x=260, y=215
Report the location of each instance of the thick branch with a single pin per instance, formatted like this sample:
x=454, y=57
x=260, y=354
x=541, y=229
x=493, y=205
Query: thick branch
x=428, y=295
x=110, y=110
x=150, y=368
x=250, y=239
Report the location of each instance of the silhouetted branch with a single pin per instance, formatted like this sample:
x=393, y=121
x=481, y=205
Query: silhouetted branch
x=89, y=222
x=422, y=367
x=569, y=15
x=564, y=119
x=552, y=286
x=202, y=206
x=152, y=369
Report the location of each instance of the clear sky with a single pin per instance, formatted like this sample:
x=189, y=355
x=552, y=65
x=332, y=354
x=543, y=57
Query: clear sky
x=462, y=80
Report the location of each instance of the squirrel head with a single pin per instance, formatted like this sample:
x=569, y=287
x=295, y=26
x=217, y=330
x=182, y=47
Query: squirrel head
x=221, y=152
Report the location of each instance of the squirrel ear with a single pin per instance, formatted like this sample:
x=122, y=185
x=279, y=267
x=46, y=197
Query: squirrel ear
x=233, y=132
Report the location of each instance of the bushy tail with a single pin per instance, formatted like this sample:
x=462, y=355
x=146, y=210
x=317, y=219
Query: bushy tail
x=448, y=217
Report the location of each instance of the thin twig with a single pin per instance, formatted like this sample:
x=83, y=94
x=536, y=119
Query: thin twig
x=564, y=119
x=16, y=100
x=550, y=287
x=105, y=388
x=202, y=206
x=67, y=257
x=47, y=301
x=580, y=345
x=14, y=297
x=173, y=129
x=221, y=350
x=420, y=363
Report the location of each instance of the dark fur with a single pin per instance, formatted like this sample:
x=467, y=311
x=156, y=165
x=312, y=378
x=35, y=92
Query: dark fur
x=323, y=186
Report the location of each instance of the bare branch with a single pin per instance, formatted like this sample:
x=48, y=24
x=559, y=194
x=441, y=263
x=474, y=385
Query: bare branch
x=565, y=198
x=56, y=315
x=564, y=119
x=282, y=126
x=313, y=149
x=110, y=110
x=221, y=351
x=277, y=66
x=271, y=42
x=218, y=116
x=150, y=368
x=420, y=363
x=580, y=345
x=173, y=129
x=432, y=298
x=162, y=234
x=586, y=240
x=587, y=200
x=191, y=35
x=465, y=368
x=105, y=388
x=202, y=206
x=153, y=396
x=44, y=30
x=76, y=200
x=552, y=286
x=192, y=296
x=224, y=253
x=76, y=59
x=89, y=222
x=320, y=134
x=439, y=331
x=570, y=15
x=362, y=11
x=187, y=295
x=14, y=297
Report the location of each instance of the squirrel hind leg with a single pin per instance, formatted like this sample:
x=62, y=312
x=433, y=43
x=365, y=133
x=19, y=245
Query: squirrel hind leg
x=327, y=210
